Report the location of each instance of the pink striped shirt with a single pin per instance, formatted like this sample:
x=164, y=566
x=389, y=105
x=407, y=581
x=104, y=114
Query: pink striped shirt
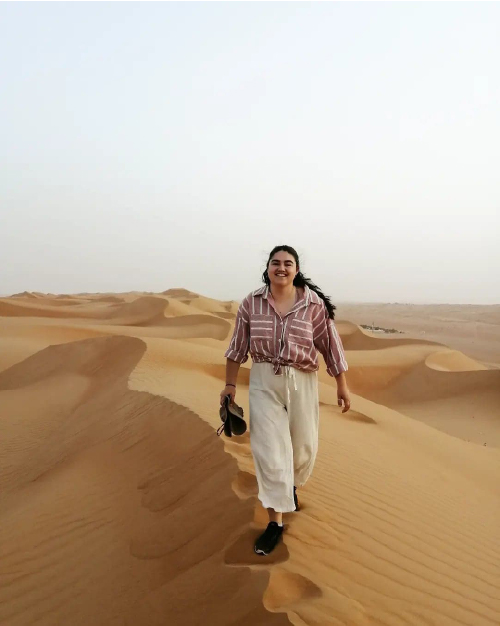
x=293, y=340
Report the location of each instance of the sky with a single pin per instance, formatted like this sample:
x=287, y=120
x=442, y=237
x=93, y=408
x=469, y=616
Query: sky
x=149, y=146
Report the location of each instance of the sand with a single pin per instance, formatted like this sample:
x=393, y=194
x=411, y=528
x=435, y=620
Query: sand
x=120, y=505
x=473, y=329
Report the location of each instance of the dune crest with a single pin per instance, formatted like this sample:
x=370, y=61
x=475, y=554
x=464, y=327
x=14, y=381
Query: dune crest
x=93, y=493
x=119, y=505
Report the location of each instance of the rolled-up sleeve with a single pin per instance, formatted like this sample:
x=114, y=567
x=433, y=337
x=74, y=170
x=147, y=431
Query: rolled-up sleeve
x=328, y=342
x=240, y=341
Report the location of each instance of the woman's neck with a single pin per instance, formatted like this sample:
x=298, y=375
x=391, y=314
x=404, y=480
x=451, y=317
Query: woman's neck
x=283, y=293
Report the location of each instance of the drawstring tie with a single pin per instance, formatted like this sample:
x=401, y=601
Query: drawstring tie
x=290, y=375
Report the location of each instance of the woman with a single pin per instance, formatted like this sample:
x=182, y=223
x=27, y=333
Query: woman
x=284, y=324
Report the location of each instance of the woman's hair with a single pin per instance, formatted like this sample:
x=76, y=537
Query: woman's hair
x=300, y=280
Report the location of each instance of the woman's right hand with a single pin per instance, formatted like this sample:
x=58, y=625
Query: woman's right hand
x=227, y=391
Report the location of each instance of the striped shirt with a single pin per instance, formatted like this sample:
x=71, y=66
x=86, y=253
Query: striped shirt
x=292, y=340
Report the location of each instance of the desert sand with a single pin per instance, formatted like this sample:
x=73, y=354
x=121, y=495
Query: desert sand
x=120, y=505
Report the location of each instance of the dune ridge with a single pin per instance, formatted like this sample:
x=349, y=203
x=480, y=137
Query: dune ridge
x=118, y=504
x=91, y=499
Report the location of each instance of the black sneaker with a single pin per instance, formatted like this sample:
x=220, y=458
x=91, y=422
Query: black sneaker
x=295, y=499
x=266, y=543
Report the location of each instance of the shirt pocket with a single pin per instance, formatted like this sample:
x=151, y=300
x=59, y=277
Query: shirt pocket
x=261, y=326
x=301, y=333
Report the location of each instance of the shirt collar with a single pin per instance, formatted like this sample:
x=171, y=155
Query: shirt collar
x=311, y=296
x=263, y=291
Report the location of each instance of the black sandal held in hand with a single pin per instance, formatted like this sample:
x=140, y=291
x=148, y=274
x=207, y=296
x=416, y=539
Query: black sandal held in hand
x=232, y=419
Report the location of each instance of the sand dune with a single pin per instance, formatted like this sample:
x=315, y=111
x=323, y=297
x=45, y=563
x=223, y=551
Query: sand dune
x=472, y=329
x=139, y=311
x=355, y=338
x=92, y=528
x=113, y=299
x=119, y=505
x=201, y=303
x=28, y=294
x=177, y=308
x=180, y=293
x=143, y=310
x=453, y=361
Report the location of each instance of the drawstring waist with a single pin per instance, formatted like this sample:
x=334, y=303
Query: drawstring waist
x=290, y=376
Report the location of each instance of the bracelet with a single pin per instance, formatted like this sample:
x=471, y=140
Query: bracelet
x=230, y=385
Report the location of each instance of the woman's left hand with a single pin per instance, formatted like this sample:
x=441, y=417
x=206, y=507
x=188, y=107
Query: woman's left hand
x=343, y=395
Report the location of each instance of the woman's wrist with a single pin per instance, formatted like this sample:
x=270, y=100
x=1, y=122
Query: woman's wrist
x=230, y=385
x=341, y=380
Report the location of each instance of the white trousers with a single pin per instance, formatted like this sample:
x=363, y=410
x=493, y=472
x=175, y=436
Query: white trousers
x=284, y=418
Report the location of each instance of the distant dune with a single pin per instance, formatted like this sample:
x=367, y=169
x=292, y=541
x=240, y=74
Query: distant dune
x=470, y=328
x=119, y=505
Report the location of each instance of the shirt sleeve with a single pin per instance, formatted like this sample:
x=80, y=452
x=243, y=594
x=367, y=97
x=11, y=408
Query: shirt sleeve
x=329, y=343
x=240, y=341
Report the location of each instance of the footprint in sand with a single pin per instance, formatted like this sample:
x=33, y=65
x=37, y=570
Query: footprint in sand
x=245, y=485
x=287, y=588
x=237, y=448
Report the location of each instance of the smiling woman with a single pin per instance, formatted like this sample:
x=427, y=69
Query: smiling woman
x=284, y=325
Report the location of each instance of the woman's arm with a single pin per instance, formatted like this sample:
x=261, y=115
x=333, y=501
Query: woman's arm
x=328, y=342
x=240, y=341
x=237, y=353
x=343, y=394
x=232, y=369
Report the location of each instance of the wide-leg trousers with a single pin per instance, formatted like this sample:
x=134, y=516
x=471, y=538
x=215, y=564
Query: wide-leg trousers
x=284, y=419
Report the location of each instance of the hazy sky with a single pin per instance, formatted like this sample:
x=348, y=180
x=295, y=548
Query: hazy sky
x=158, y=145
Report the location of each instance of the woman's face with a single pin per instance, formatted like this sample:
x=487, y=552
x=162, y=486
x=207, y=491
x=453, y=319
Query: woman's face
x=282, y=269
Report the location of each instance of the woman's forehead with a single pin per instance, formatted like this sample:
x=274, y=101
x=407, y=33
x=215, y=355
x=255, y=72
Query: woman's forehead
x=283, y=256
